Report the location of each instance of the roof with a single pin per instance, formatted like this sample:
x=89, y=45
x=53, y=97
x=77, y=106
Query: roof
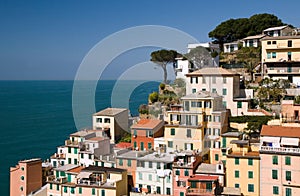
x=230, y=43
x=281, y=37
x=97, y=139
x=280, y=131
x=203, y=178
x=83, y=133
x=76, y=169
x=201, y=95
x=123, y=145
x=207, y=168
x=110, y=112
x=251, y=154
x=148, y=124
x=102, y=169
x=231, y=134
x=155, y=157
x=275, y=28
x=212, y=71
x=255, y=37
x=66, y=167
x=131, y=154
x=240, y=142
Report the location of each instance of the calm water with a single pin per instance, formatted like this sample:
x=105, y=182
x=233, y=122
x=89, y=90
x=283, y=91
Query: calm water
x=36, y=117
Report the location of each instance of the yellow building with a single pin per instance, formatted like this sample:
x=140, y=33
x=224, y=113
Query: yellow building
x=242, y=167
x=281, y=57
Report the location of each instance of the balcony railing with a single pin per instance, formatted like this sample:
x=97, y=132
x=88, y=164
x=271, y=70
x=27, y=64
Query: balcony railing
x=193, y=191
x=71, y=143
x=60, y=180
x=182, y=164
x=280, y=149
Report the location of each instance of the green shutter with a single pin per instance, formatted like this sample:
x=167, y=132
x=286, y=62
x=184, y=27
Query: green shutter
x=172, y=131
x=142, y=145
x=129, y=163
x=250, y=161
x=250, y=174
x=149, y=146
x=275, y=160
x=274, y=174
x=80, y=190
x=102, y=192
x=93, y=191
x=275, y=190
x=216, y=157
x=237, y=161
x=236, y=173
x=288, y=160
x=288, y=175
x=250, y=187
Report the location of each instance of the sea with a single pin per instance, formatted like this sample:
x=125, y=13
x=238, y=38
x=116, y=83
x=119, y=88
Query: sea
x=37, y=116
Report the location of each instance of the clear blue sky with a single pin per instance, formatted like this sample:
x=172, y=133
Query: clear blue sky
x=48, y=39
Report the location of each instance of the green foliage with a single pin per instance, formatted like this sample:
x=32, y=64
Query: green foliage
x=162, y=86
x=272, y=90
x=235, y=29
x=179, y=82
x=199, y=57
x=254, y=123
x=126, y=138
x=144, y=109
x=163, y=58
x=153, y=97
x=297, y=99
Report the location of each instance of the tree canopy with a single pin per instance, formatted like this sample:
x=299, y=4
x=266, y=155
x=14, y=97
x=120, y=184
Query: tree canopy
x=163, y=58
x=235, y=29
x=200, y=57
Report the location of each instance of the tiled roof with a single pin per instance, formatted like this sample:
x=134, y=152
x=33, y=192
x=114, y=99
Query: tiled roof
x=207, y=168
x=110, y=112
x=212, y=71
x=275, y=28
x=123, y=145
x=254, y=37
x=280, y=131
x=147, y=124
x=203, y=178
x=76, y=169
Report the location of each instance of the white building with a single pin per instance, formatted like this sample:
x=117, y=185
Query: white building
x=222, y=82
x=278, y=31
x=154, y=173
x=230, y=47
x=114, y=121
x=252, y=41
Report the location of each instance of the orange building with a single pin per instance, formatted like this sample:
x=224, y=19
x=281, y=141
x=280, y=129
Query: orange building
x=26, y=177
x=144, y=132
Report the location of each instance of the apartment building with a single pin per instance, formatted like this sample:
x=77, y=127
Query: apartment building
x=223, y=82
x=114, y=122
x=280, y=160
x=243, y=166
x=205, y=185
x=26, y=177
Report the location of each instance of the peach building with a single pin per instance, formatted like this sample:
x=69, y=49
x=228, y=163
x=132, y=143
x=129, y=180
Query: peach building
x=26, y=177
x=144, y=132
x=280, y=160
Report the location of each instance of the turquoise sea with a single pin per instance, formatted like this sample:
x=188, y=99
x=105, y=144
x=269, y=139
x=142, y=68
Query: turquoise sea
x=36, y=117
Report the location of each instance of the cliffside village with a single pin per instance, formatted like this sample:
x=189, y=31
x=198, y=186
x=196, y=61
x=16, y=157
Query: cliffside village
x=191, y=148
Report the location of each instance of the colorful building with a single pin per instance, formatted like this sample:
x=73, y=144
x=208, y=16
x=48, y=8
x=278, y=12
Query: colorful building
x=26, y=177
x=203, y=185
x=280, y=160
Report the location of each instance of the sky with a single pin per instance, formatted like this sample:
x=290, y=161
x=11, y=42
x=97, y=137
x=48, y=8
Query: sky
x=49, y=39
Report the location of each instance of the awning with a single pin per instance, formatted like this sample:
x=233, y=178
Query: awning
x=84, y=174
x=270, y=139
x=290, y=141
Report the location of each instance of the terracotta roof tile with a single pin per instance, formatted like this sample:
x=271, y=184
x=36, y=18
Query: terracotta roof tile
x=147, y=123
x=280, y=131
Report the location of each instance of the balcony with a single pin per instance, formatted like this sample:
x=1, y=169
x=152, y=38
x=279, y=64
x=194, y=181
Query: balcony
x=60, y=180
x=180, y=164
x=197, y=191
x=71, y=143
x=284, y=150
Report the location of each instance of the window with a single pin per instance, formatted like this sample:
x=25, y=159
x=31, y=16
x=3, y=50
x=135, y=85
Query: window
x=75, y=150
x=225, y=104
x=22, y=168
x=99, y=120
x=250, y=174
x=172, y=131
x=288, y=175
x=250, y=161
x=170, y=144
x=90, y=156
x=134, y=132
x=93, y=191
x=81, y=155
x=274, y=42
x=275, y=160
x=106, y=120
x=193, y=184
x=62, y=173
x=223, y=142
x=149, y=146
x=275, y=190
x=216, y=157
x=274, y=174
x=57, y=187
x=102, y=192
x=224, y=80
x=214, y=90
x=69, y=150
x=142, y=145
x=140, y=176
x=181, y=194
x=158, y=166
x=121, y=162
x=186, y=172
x=251, y=188
x=203, y=80
x=158, y=190
x=239, y=104
x=150, y=177
x=80, y=190
x=177, y=172
x=189, y=133
x=51, y=186
x=168, y=191
x=213, y=79
x=288, y=192
x=150, y=164
x=134, y=144
x=290, y=43
x=65, y=189
x=22, y=177
x=268, y=42
x=288, y=160
x=224, y=91
x=268, y=55
x=236, y=161
x=194, y=90
x=168, y=179
x=236, y=185
x=199, y=104
x=129, y=163
x=236, y=173
x=273, y=55
x=203, y=89
x=21, y=188
x=75, y=161
x=289, y=56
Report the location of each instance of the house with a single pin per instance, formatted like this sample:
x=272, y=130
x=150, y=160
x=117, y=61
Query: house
x=212, y=170
x=290, y=112
x=144, y=132
x=223, y=82
x=278, y=31
x=230, y=47
x=205, y=185
x=279, y=153
x=26, y=177
x=114, y=121
x=281, y=57
x=154, y=173
x=243, y=166
x=252, y=41
x=184, y=166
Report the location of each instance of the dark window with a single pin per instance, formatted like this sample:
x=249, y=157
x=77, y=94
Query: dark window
x=290, y=43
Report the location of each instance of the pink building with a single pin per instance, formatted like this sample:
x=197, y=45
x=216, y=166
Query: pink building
x=26, y=177
x=280, y=161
